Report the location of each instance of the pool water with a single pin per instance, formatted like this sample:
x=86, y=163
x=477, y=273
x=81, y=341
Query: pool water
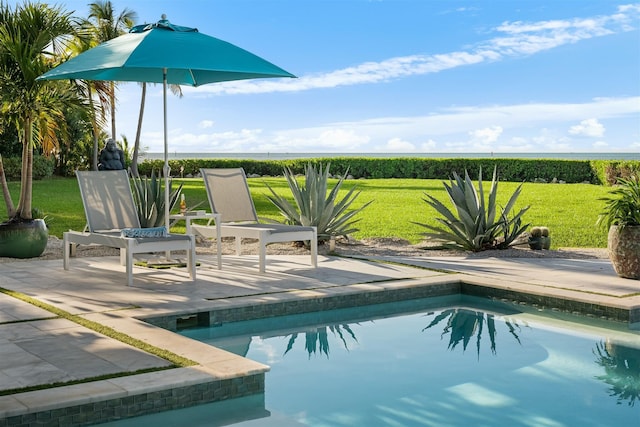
x=451, y=361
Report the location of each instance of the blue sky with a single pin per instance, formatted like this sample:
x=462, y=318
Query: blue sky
x=405, y=76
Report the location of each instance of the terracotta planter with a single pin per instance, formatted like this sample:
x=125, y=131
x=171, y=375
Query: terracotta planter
x=624, y=250
x=25, y=239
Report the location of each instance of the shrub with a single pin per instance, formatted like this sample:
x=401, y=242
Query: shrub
x=476, y=225
x=148, y=195
x=313, y=207
x=42, y=167
x=622, y=206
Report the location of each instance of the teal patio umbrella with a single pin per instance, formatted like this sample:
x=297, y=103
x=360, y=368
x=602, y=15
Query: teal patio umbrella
x=168, y=54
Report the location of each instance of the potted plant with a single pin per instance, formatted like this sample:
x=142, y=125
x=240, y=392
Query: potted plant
x=34, y=109
x=545, y=237
x=535, y=238
x=621, y=216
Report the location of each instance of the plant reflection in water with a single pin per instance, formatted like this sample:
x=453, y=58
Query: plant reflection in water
x=621, y=370
x=462, y=324
x=319, y=339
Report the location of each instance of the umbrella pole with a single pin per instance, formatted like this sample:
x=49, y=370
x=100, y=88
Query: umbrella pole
x=167, y=170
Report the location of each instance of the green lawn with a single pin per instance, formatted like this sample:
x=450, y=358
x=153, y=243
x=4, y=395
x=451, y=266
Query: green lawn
x=569, y=210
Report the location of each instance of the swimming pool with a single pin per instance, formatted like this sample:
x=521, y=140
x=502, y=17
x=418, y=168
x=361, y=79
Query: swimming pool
x=447, y=361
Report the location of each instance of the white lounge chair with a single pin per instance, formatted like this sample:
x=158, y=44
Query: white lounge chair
x=110, y=209
x=229, y=196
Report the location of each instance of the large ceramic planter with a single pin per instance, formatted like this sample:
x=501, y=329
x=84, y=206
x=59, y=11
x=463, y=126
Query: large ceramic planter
x=624, y=250
x=23, y=239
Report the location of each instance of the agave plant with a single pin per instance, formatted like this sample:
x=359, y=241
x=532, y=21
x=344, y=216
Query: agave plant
x=462, y=324
x=477, y=225
x=313, y=207
x=318, y=340
x=148, y=195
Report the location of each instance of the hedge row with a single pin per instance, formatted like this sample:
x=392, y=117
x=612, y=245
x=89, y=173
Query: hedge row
x=43, y=167
x=514, y=170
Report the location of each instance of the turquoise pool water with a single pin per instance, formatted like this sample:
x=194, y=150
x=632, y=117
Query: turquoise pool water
x=453, y=361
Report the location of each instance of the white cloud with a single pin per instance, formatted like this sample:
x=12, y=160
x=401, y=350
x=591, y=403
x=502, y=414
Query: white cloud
x=205, y=124
x=221, y=142
x=397, y=145
x=318, y=140
x=516, y=39
x=600, y=144
x=487, y=135
x=588, y=127
x=537, y=127
x=430, y=145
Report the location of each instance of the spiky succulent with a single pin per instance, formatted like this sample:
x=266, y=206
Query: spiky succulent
x=476, y=224
x=148, y=195
x=316, y=205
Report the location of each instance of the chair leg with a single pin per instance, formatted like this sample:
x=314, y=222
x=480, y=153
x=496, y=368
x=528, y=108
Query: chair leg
x=262, y=252
x=127, y=255
x=238, y=246
x=219, y=244
x=314, y=249
x=67, y=250
x=191, y=258
x=219, y=247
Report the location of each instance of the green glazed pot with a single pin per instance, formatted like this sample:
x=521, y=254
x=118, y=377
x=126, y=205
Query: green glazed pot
x=23, y=239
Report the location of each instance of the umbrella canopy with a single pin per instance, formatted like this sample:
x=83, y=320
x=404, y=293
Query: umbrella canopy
x=168, y=54
x=189, y=57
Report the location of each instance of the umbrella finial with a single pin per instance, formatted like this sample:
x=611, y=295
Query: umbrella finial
x=164, y=17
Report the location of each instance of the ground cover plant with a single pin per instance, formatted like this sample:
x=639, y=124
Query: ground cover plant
x=569, y=210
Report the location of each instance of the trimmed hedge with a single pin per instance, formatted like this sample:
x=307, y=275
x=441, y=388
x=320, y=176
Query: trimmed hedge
x=513, y=170
x=608, y=171
x=43, y=167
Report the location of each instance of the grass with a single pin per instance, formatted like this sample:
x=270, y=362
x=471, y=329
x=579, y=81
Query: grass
x=569, y=210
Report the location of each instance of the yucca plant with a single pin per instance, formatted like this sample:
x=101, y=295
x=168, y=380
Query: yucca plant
x=314, y=207
x=148, y=195
x=476, y=224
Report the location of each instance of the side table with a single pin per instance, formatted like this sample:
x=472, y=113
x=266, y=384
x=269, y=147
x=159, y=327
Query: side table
x=189, y=216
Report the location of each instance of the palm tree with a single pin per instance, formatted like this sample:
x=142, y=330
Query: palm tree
x=86, y=89
x=107, y=26
x=31, y=35
x=176, y=90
